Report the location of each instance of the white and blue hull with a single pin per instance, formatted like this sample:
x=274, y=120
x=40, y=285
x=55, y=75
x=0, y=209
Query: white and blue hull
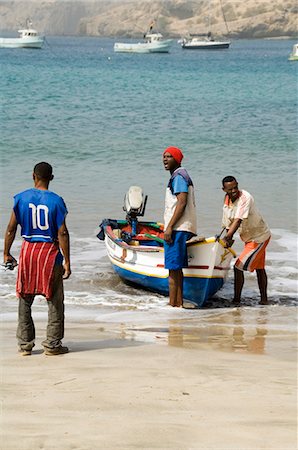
x=195, y=289
x=209, y=262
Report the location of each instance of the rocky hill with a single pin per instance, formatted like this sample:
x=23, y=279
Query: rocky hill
x=238, y=18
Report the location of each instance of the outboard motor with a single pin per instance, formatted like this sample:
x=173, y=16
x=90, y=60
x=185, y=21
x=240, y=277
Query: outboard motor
x=134, y=205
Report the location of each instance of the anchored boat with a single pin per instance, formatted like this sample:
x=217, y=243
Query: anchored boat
x=153, y=43
x=206, y=41
x=294, y=54
x=203, y=42
x=135, y=250
x=29, y=38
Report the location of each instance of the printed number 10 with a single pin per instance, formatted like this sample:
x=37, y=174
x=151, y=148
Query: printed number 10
x=37, y=216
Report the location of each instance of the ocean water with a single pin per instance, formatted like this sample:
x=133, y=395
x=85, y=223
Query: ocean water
x=103, y=120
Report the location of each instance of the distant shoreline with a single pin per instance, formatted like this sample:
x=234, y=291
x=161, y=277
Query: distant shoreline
x=12, y=33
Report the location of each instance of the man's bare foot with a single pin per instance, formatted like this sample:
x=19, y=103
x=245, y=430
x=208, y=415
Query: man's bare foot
x=236, y=302
x=263, y=302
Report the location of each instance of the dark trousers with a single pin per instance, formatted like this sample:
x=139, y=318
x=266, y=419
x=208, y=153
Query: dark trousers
x=55, y=328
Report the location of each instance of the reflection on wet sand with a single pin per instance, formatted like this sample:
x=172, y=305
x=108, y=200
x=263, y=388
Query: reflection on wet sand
x=228, y=333
x=263, y=330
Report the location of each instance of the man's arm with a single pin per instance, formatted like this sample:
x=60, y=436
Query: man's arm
x=63, y=239
x=9, y=238
x=178, y=213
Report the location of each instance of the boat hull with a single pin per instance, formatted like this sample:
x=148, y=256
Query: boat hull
x=195, y=289
x=21, y=43
x=140, y=47
x=208, y=265
x=206, y=46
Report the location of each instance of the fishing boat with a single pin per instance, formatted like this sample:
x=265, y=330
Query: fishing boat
x=203, y=42
x=153, y=43
x=135, y=249
x=294, y=54
x=28, y=38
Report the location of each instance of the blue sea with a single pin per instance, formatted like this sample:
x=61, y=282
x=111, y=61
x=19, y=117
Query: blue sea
x=103, y=120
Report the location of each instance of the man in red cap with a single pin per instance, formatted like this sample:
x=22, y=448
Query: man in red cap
x=180, y=221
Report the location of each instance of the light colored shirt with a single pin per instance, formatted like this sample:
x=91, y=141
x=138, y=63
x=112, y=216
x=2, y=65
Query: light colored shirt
x=179, y=182
x=253, y=227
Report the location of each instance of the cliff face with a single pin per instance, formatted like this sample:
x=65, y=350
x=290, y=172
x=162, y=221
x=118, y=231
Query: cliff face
x=249, y=19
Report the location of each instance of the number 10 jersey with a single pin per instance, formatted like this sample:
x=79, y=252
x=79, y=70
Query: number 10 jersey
x=40, y=213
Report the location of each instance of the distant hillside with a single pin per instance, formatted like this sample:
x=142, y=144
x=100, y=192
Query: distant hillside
x=243, y=19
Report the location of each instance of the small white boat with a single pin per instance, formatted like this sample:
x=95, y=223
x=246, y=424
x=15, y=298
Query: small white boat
x=136, y=252
x=153, y=43
x=294, y=54
x=203, y=42
x=29, y=38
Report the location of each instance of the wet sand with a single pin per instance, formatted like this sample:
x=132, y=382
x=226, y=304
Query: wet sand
x=181, y=384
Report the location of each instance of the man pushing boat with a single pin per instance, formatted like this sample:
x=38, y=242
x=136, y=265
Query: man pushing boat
x=179, y=222
x=240, y=213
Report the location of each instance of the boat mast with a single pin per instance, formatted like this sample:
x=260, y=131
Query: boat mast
x=209, y=20
x=223, y=14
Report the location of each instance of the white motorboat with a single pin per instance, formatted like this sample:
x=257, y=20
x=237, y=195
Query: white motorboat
x=29, y=38
x=294, y=54
x=206, y=41
x=153, y=43
x=203, y=42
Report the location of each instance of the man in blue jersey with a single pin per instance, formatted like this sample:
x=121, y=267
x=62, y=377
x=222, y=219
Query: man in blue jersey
x=180, y=222
x=41, y=215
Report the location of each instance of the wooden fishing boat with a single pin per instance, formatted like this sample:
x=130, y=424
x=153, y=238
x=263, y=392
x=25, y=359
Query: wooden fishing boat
x=135, y=250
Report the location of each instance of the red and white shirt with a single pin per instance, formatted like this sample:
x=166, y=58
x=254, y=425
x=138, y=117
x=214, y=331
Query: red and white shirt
x=253, y=227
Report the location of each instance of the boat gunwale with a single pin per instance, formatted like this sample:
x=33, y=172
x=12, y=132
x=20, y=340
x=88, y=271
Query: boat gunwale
x=147, y=249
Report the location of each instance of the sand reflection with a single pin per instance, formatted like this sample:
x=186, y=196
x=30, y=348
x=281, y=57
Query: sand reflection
x=229, y=331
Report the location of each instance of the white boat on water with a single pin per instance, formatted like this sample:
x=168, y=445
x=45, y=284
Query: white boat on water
x=206, y=41
x=294, y=54
x=153, y=43
x=203, y=42
x=28, y=38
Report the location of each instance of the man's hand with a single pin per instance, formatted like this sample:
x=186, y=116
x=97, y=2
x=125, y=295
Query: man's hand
x=67, y=271
x=168, y=235
x=9, y=262
x=228, y=242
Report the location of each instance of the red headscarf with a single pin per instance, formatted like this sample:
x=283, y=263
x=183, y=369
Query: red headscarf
x=175, y=152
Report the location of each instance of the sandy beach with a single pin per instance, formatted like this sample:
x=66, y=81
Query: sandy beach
x=185, y=384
